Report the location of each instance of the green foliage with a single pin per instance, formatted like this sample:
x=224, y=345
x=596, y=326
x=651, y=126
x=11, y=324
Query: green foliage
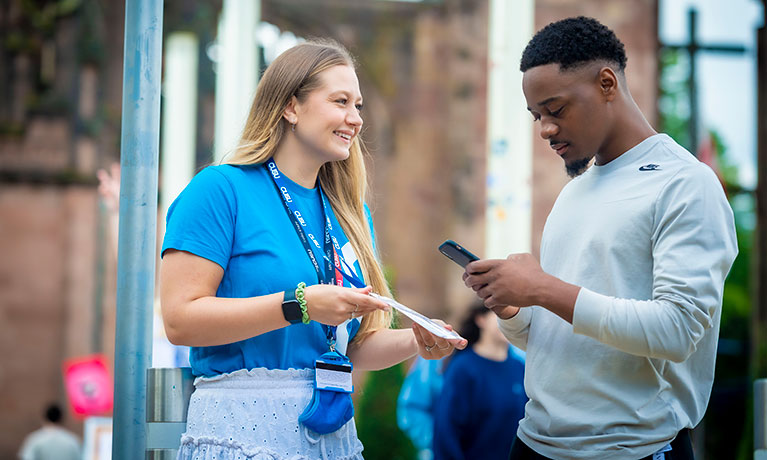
x=48, y=103
x=200, y=18
x=673, y=104
x=42, y=15
x=10, y=129
x=377, y=417
x=90, y=34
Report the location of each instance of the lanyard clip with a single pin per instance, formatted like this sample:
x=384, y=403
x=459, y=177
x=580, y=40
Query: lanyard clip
x=330, y=333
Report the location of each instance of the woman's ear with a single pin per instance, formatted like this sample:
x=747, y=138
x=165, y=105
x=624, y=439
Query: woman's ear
x=289, y=114
x=608, y=83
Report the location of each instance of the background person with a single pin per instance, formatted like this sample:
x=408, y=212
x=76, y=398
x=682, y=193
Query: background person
x=418, y=395
x=620, y=319
x=52, y=441
x=482, y=397
x=259, y=259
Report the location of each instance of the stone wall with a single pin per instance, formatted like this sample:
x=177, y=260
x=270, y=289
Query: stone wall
x=59, y=122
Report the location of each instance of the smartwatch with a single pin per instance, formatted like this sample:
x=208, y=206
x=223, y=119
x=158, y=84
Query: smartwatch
x=291, y=309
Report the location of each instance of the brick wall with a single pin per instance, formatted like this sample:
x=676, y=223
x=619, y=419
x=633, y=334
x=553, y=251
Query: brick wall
x=635, y=23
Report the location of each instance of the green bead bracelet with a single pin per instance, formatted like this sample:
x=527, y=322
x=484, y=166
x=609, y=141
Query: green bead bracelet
x=302, y=302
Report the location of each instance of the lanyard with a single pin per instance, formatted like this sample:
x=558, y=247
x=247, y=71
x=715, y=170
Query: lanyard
x=332, y=273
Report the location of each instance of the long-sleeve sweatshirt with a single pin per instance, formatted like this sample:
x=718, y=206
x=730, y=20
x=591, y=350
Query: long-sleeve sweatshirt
x=650, y=238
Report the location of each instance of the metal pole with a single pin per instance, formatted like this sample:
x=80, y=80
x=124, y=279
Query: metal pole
x=759, y=279
x=138, y=223
x=692, y=128
x=168, y=393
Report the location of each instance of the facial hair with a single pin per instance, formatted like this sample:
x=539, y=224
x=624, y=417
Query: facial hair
x=578, y=167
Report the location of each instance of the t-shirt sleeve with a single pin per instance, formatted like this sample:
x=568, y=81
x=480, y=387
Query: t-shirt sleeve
x=201, y=220
x=517, y=328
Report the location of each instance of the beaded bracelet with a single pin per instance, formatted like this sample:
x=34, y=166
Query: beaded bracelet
x=302, y=302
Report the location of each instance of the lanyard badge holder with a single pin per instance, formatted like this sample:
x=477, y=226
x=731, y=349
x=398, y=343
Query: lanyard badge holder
x=331, y=405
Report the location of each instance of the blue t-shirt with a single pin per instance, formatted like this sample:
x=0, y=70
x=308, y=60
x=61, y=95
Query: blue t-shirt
x=235, y=217
x=480, y=407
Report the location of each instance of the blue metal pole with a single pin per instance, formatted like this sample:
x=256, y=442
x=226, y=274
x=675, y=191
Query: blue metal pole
x=138, y=223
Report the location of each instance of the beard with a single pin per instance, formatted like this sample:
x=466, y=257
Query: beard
x=577, y=167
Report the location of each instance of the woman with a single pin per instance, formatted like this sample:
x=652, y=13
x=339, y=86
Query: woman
x=483, y=397
x=268, y=263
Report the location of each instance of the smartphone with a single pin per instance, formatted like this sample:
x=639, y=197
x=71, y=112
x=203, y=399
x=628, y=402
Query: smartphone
x=457, y=253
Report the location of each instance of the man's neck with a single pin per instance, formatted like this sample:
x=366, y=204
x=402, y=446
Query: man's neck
x=630, y=130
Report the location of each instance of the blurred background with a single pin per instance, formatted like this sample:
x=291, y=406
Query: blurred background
x=453, y=154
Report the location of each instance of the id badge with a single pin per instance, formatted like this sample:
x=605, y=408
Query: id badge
x=333, y=372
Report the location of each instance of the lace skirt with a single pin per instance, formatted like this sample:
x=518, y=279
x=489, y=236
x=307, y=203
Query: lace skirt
x=253, y=415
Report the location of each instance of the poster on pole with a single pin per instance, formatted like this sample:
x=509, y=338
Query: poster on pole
x=89, y=385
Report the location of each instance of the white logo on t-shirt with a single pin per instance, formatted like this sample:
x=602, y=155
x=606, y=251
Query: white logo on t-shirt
x=347, y=252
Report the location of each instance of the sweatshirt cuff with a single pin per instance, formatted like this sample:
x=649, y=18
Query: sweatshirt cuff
x=513, y=326
x=590, y=309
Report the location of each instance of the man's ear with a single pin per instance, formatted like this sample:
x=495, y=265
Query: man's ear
x=608, y=83
x=289, y=114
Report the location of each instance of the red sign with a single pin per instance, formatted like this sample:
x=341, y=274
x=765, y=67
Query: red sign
x=89, y=385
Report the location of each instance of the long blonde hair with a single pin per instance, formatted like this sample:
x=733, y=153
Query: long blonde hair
x=296, y=73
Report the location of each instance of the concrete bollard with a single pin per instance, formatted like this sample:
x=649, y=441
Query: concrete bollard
x=167, y=399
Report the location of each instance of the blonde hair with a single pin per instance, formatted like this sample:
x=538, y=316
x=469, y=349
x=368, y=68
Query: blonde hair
x=296, y=73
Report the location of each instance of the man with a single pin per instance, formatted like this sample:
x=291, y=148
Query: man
x=620, y=320
x=52, y=441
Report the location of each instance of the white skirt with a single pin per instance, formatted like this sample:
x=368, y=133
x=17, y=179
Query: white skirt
x=253, y=415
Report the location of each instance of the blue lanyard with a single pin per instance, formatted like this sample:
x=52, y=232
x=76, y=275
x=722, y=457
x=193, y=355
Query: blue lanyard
x=299, y=224
x=330, y=252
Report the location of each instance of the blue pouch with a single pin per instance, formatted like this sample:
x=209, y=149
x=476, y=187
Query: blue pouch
x=331, y=405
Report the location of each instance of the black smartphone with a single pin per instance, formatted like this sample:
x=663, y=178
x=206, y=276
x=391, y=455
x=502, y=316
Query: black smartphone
x=457, y=253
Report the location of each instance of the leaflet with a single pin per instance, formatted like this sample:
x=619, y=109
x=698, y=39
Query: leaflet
x=428, y=324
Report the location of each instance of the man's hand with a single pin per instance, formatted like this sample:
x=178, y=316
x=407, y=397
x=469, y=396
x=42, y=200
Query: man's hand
x=519, y=281
x=502, y=282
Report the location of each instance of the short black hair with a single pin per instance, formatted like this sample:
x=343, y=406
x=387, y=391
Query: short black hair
x=469, y=329
x=572, y=42
x=53, y=413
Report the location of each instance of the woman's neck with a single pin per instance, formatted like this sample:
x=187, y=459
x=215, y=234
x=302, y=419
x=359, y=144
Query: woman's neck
x=492, y=350
x=296, y=166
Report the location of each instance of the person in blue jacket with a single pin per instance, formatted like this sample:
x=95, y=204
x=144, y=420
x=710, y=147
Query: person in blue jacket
x=483, y=396
x=415, y=404
x=268, y=269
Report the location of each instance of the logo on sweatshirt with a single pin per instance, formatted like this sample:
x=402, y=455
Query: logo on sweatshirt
x=650, y=167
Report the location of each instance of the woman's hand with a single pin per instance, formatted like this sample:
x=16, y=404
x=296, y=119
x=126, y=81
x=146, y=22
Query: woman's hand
x=431, y=346
x=332, y=305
